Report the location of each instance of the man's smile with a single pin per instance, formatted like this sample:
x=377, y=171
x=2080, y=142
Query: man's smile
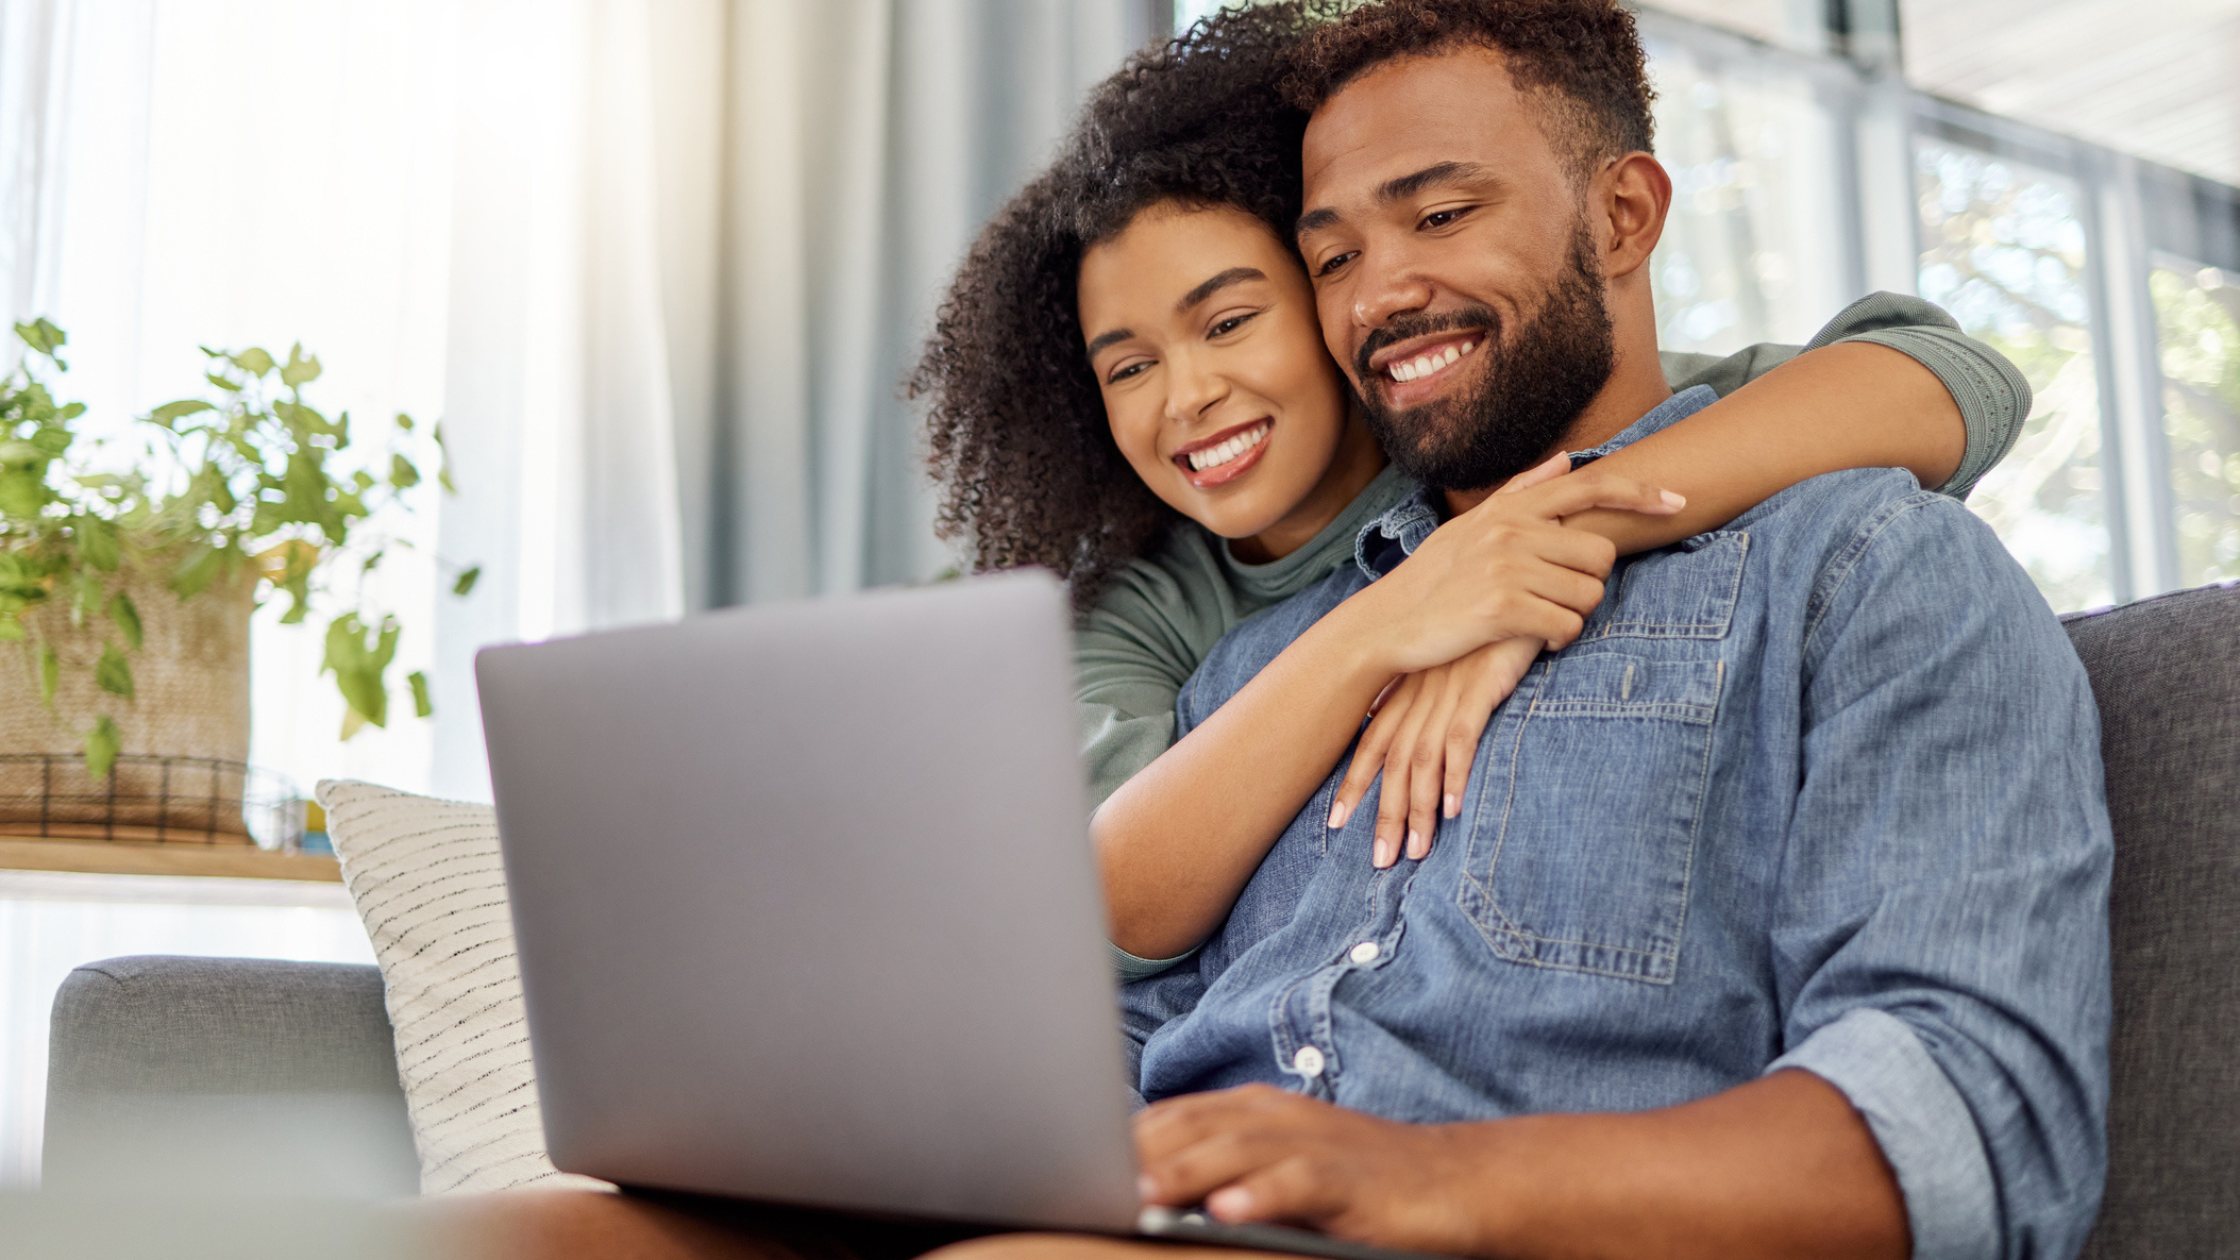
x=1420, y=368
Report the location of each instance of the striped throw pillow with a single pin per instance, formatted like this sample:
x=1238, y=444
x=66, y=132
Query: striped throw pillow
x=426, y=879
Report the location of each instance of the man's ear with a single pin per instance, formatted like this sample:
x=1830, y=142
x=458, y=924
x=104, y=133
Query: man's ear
x=1633, y=194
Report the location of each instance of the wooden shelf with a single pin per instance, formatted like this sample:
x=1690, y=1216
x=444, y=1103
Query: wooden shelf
x=139, y=857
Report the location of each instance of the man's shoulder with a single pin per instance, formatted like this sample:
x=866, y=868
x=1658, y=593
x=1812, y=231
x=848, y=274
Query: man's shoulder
x=1261, y=637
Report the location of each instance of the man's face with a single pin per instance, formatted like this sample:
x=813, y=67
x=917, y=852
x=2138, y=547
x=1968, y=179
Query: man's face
x=1457, y=277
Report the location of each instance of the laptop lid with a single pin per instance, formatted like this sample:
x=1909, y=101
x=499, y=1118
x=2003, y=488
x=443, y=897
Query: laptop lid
x=806, y=908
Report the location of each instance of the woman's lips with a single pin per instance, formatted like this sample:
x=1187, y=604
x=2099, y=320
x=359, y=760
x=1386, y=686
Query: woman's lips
x=1224, y=457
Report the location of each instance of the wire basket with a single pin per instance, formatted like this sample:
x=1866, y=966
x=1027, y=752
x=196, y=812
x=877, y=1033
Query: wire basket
x=167, y=800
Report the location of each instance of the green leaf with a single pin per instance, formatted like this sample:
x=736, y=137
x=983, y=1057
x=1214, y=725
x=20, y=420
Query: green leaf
x=404, y=422
x=225, y=383
x=466, y=581
x=253, y=360
x=85, y=597
x=357, y=656
x=50, y=674
x=301, y=370
x=97, y=542
x=113, y=673
x=402, y=474
x=127, y=616
x=200, y=569
x=171, y=411
x=44, y=338
x=421, y=706
x=103, y=743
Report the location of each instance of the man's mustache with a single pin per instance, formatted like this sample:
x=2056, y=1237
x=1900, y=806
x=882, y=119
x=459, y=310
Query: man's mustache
x=1476, y=315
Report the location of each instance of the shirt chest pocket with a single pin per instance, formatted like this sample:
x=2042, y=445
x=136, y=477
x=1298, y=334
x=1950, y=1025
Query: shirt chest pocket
x=1582, y=829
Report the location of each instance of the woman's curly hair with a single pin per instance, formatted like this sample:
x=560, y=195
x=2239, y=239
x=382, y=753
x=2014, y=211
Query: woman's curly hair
x=1016, y=431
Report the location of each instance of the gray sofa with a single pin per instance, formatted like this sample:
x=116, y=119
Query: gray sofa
x=280, y=1075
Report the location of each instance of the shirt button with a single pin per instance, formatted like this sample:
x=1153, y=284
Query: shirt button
x=1365, y=952
x=1308, y=1062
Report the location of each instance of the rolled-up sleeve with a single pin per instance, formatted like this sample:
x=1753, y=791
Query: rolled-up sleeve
x=1942, y=941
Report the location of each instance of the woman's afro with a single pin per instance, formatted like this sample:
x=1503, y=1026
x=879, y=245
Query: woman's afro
x=1016, y=432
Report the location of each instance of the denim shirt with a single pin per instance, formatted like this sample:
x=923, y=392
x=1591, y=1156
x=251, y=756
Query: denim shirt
x=1819, y=790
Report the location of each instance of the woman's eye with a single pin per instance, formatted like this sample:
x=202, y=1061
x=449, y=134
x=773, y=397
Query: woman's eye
x=1224, y=327
x=1124, y=371
x=1332, y=263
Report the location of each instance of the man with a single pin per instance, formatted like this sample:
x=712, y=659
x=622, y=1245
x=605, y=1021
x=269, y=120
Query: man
x=1773, y=920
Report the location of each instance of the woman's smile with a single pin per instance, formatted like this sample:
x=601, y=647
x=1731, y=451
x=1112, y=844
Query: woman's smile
x=1225, y=456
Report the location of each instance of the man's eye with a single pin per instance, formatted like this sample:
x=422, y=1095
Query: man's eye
x=1231, y=324
x=1332, y=263
x=1441, y=218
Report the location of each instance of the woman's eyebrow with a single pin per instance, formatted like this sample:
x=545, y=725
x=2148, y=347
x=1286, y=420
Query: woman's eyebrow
x=1234, y=275
x=1103, y=339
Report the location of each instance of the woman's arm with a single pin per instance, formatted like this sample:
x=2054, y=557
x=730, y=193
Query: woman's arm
x=1178, y=841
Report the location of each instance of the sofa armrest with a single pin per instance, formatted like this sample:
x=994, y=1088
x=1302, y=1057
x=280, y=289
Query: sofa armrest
x=225, y=1074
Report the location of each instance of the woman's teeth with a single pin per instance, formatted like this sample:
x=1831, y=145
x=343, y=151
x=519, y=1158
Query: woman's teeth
x=1215, y=456
x=1425, y=365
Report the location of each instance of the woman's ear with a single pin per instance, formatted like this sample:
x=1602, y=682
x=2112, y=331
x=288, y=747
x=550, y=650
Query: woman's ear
x=1632, y=194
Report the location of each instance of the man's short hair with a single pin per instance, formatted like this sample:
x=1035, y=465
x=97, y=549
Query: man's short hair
x=1580, y=59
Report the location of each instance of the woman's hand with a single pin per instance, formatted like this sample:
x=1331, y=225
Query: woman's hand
x=1423, y=738
x=1507, y=568
x=1424, y=729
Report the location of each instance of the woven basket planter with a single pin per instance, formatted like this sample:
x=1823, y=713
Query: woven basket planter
x=191, y=700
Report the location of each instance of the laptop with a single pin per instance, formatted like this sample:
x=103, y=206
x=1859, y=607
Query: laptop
x=806, y=912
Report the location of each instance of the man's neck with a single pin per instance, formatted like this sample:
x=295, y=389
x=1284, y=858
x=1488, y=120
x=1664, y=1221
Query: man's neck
x=1636, y=386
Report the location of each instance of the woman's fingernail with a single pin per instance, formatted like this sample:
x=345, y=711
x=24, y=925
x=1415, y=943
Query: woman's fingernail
x=1146, y=1188
x=1381, y=856
x=1416, y=847
x=1338, y=814
x=1453, y=806
x=1234, y=1203
x=1674, y=501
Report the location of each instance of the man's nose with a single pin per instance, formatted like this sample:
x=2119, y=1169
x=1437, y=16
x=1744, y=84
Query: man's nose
x=1386, y=287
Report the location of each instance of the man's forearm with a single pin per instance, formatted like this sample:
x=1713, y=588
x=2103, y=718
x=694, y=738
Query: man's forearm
x=1782, y=1166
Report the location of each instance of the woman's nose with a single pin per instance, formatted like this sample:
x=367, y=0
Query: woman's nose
x=1193, y=387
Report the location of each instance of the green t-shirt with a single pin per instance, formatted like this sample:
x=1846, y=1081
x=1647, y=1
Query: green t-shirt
x=1163, y=612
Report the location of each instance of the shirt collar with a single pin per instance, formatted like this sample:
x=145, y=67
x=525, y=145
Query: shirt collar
x=1385, y=542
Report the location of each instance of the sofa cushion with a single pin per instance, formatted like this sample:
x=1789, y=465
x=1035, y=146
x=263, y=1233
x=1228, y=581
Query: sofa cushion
x=212, y=1075
x=426, y=879
x=2166, y=673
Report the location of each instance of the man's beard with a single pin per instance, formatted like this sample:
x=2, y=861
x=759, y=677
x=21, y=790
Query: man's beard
x=1529, y=387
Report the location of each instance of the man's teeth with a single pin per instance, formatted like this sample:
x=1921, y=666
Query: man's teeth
x=1425, y=365
x=1215, y=456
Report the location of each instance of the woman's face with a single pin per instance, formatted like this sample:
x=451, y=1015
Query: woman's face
x=1201, y=330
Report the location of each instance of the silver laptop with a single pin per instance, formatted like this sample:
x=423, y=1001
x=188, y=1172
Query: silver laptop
x=806, y=911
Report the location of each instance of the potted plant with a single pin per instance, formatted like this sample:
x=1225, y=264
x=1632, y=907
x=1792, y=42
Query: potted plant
x=127, y=577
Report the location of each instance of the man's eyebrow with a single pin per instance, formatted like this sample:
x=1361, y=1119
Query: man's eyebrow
x=1399, y=189
x=1437, y=173
x=1101, y=340
x=1234, y=275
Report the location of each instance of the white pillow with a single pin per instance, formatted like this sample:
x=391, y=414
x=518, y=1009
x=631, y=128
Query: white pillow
x=426, y=879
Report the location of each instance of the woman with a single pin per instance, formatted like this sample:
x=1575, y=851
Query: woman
x=1129, y=387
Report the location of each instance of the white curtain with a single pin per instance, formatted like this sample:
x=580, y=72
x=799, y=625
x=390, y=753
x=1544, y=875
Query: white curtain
x=695, y=245
x=659, y=266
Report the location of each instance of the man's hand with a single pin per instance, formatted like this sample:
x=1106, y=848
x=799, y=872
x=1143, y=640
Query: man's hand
x=1256, y=1153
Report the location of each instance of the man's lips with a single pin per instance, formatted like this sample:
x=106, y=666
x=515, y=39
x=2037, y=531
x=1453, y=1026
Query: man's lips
x=1224, y=456
x=1420, y=358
